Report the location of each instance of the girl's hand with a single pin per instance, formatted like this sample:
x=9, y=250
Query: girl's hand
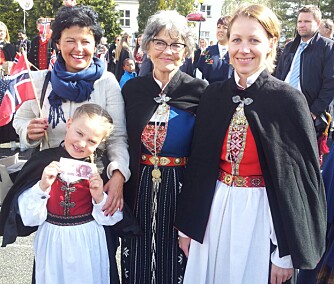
x=49, y=175
x=96, y=187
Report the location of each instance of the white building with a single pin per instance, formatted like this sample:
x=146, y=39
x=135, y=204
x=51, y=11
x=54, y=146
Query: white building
x=213, y=9
x=128, y=10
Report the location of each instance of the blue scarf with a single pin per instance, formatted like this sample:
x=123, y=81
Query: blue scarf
x=68, y=86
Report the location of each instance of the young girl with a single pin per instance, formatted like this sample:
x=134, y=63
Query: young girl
x=70, y=244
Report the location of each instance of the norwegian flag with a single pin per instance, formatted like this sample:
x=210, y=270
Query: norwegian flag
x=19, y=64
x=53, y=60
x=14, y=90
x=16, y=59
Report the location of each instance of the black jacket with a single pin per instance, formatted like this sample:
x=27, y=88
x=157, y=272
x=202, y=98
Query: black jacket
x=285, y=139
x=317, y=71
x=139, y=94
x=33, y=53
x=212, y=66
x=8, y=50
x=26, y=44
x=11, y=224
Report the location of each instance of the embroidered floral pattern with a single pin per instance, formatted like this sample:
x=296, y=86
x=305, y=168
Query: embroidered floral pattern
x=236, y=139
x=208, y=59
x=147, y=137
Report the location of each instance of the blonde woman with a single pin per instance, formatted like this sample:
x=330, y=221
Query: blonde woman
x=252, y=205
x=123, y=52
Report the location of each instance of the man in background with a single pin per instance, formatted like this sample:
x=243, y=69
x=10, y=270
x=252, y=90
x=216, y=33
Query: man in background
x=41, y=45
x=23, y=42
x=307, y=62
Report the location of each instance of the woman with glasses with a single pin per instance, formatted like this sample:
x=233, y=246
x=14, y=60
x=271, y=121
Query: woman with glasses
x=160, y=112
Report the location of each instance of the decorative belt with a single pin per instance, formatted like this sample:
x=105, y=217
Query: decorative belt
x=69, y=220
x=241, y=181
x=163, y=161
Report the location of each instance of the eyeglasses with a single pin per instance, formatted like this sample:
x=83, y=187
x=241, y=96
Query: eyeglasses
x=161, y=45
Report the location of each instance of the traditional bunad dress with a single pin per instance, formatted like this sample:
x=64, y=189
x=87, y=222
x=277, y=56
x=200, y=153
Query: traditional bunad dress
x=70, y=244
x=156, y=204
x=252, y=180
x=160, y=126
x=236, y=246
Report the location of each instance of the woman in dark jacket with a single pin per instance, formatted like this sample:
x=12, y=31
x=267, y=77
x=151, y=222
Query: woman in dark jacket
x=160, y=115
x=122, y=52
x=253, y=180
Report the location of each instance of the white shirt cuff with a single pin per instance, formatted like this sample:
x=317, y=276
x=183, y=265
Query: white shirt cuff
x=282, y=262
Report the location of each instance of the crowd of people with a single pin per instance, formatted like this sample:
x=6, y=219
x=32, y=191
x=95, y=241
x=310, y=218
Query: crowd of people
x=218, y=149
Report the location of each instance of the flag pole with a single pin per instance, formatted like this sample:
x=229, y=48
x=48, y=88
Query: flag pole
x=35, y=95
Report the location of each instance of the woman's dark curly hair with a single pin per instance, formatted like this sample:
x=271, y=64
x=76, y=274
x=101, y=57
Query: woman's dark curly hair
x=80, y=15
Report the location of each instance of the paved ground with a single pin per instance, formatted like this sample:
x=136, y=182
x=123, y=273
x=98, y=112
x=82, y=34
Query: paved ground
x=16, y=260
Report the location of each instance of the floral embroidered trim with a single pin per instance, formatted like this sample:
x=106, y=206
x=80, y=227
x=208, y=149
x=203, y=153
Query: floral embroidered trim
x=207, y=55
x=69, y=220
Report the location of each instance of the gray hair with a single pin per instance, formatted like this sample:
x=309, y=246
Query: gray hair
x=174, y=24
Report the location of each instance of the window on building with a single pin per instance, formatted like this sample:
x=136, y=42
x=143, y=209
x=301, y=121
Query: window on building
x=207, y=10
x=124, y=18
x=205, y=35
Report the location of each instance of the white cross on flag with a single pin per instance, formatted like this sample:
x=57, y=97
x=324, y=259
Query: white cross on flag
x=14, y=90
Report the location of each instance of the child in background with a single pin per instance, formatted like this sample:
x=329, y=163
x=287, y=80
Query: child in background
x=70, y=244
x=129, y=71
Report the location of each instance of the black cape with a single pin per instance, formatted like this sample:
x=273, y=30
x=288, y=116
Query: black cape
x=9, y=51
x=139, y=94
x=33, y=53
x=283, y=130
x=11, y=224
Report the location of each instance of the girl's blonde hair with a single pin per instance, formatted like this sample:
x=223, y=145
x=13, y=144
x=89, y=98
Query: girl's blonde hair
x=123, y=44
x=95, y=111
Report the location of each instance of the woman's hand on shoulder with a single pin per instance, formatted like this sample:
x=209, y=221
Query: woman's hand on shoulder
x=114, y=188
x=36, y=128
x=280, y=275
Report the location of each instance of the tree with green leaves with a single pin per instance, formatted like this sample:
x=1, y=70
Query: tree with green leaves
x=108, y=16
x=146, y=9
x=183, y=7
x=12, y=15
x=149, y=7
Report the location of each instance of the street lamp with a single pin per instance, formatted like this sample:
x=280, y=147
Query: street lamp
x=197, y=16
x=199, y=28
